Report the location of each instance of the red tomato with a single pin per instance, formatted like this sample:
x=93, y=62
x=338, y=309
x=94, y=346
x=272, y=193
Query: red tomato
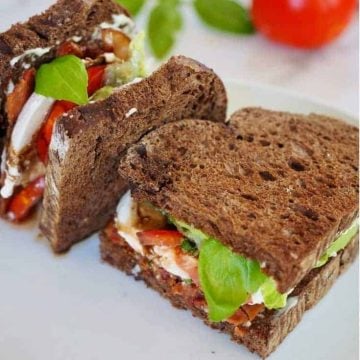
x=44, y=137
x=170, y=238
x=23, y=202
x=96, y=77
x=302, y=23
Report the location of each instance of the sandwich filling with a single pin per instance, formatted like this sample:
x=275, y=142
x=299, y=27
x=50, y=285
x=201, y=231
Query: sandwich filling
x=230, y=283
x=81, y=71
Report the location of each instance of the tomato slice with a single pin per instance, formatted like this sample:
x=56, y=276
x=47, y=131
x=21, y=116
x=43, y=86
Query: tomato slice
x=21, y=205
x=171, y=238
x=17, y=98
x=96, y=77
x=44, y=137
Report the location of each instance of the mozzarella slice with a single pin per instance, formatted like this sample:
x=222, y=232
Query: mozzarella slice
x=29, y=121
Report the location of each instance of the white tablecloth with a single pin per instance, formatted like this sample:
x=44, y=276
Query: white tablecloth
x=329, y=74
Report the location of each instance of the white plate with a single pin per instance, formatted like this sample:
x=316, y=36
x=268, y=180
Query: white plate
x=75, y=307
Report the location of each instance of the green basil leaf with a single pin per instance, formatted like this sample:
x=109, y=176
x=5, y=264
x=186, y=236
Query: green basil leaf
x=64, y=78
x=226, y=15
x=164, y=22
x=134, y=6
x=222, y=275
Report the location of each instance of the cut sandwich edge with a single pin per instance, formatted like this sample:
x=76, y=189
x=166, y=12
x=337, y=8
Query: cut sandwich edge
x=267, y=330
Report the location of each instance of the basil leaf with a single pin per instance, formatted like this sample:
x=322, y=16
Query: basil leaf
x=222, y=275
x=64, y=78
x=134, y=6
x=226, y=15
x=164, y=22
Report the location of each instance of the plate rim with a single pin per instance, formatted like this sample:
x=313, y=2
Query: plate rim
x=256, y=85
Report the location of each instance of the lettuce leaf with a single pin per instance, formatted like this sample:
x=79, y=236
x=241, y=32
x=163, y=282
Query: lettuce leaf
x=189, y=231
x=339, y=243
x=272, y=298
x=222, y=276
x=227, y=279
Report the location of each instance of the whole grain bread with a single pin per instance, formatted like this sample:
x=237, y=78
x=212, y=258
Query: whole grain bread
x=275, y=187
x=82, y=183
x=63, y=20
x=268, y=329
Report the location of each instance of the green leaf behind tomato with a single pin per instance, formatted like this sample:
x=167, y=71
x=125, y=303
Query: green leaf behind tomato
x=64, y=78
x=164, y=22
x=226, y=15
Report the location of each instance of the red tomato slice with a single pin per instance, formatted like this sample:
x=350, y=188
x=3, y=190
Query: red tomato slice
x=96, y=77
x=95, y=74
x=44, y=137
x=20, y=205
x=171, y=238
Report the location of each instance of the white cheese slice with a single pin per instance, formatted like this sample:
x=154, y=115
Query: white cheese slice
x=29, y=121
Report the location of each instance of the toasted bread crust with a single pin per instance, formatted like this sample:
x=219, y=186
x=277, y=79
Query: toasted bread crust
x=64, y=19
x=267, y=330
x=82, y=183
x=266, y=190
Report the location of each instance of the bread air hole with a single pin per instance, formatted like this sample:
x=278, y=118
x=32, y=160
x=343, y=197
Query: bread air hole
x=296, y=165
x=267, y=176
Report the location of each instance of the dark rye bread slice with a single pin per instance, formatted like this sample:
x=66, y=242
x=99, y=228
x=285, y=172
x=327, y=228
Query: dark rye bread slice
x=275, y=187
x=64, y=19
x=82, y=182
x=268, y=329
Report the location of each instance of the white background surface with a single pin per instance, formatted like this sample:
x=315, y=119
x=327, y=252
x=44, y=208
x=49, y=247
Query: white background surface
x=74, y=307
x=329, y=74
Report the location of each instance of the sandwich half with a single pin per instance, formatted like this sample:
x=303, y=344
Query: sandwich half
x=74, y=97
x=247, y=224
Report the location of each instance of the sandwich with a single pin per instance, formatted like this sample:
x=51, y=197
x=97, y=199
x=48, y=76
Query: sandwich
x=75, y=93
x=246, y=224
